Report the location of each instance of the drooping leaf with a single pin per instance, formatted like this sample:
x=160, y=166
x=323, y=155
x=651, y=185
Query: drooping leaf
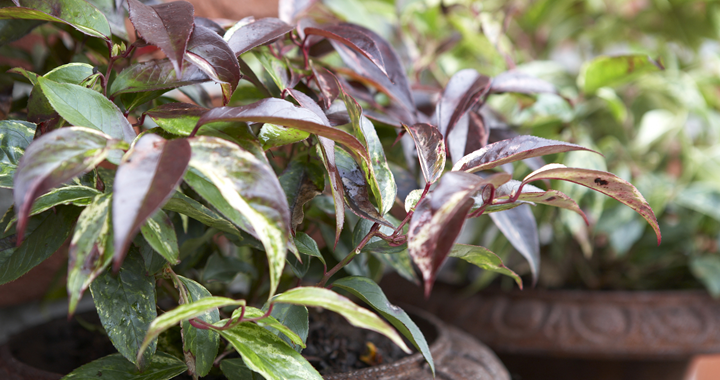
x=15, y=136
x=603, y=182
x=161, y=366
x=611, y=71
x=167, y=26
x=53, y=159
x=295, y=318
x=159, y=232
x=89, y=253
x=85, y=107
x=511, y=150
x=354, y=37
x=251, y=188
x=270, y=321
x=207, y=50
x=517, y=81
x=202, y=345
x=356, y=315
x=355, y=187
x=301, y=182
x=77, y=13
x=126, y=305
x=520, y=228
x=149, y=78
x=256, y=33
x=45, y=234
x=368, y=291
x=431, y=149
x=267, y=354
x=185, y=205
x=484, y=259
x=146, y=178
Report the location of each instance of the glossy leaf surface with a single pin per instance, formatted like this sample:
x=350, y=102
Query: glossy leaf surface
x=270, y=321
x=202, y=344
x=207, y=50
x=610, y=71
x=354, y=37
x=185, y=205
x=153, y=76
x=511, y=150
x=327, y=299
x=126, y=305
x=272, y=136
x=115, y=367
x=76, y=13
x=15, y=136
x=484, y=259
x=167, y=26
x=520, y=228
x=431, y=149
x=146, y=178
x=72, y=195
x=355, y=187
x=159, y=233
x=462, y=91
x=255, y=34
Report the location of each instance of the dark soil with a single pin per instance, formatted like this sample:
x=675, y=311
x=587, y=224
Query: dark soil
x=334, y=346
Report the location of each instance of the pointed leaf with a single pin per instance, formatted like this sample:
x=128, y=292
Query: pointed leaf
x=201, y=344
x=210, y=24
x=167, y=26
x=267, y=354
x=464, y=89
x=355, y=187
x=328, y=85
x=308, y=246
x=257, y=33
x=71, y=195
x=251, y=188
x=520, y=228
x=159, y=232
x=431, y=149
x=511, y=150
x=45, y=234
x=53, y=159
x=88, y=253
x=484, y=259
x=270, y=321
x=356, y=315
x=77, y=13
x=301, y=182
x=126, y=305
x=207, y=50
x=372, y=294
x=115, y=367
x=477, y=134
x=15, y=136
x=354, y=37
x=146, y=178
x=185, y=205
x=295, y=318
x=517, y=81
x=610, y=71
x=85, y=107
x=154, y=76
x=603, y=182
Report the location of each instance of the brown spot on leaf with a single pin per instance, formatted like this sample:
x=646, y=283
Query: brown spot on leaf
x=550, y=199
x=601, y=182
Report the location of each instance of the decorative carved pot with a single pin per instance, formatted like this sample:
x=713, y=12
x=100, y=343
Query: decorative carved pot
x=602, y=335
x=457, y=356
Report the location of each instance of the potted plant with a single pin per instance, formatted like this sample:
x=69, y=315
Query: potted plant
x=162, y=199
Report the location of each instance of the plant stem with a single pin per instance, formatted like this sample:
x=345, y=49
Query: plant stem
x=373, y=231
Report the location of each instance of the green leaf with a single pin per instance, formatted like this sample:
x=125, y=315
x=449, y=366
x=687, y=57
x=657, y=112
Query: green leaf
x=307, y=245
x=270, y=321
x=301, y=182
x=45, y=234
x=126, y=305
x=356, y=315
x=610, y=71
x=235, y=369
x=183, y=312
x=224, y=269
x=266, y=354
x=85, y=107
x=115, y=367
x=250, y=187
x=214, y=197
x=160, y=234
x=295, y=317
x=77, y=13
x=68, y=195
x=272, y=135
x=153, y=76
x=15, y=136
x=89, y=253
x=185, y=205
x=484, y=259
x=201, y=344
x=370, y=293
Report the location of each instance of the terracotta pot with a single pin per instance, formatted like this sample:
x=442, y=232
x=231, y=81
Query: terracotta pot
x=582, y=334
x=457, y=356
x=235, y=10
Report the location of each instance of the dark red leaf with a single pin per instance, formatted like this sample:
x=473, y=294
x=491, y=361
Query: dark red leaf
x=175, y=110
x=327, y=84
x=154, y=75
x=167, y=26
x=355, y=187
x=430, y=148
x=510, y=150
x=146, y=178
x=354, y=37
x=520, y=228
x=213, y=56
x=463, y=90
x=478, y=134
x=517, y=81
x=289, y=10
x=210, y=24
x=258, y=33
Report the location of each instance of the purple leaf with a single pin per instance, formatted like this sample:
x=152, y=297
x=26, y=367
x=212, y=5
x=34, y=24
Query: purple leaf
x=355, y=187
x=289, y=10
x=146, y=178
x=327, y=84
x=438, y=220
x=53, y=159
x=210, y=24
x=464, y=89
x=517, y=81
x=352, y=36
x=154, y=75
x=478, y=134
x=533, y=194
x=511, y=150
x=603, y=182
x=207, y=50
x=520, y=228
x=167, y=26
x=258, y=33
x=430, y=148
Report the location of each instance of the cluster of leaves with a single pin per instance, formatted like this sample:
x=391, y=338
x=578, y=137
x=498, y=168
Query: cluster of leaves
x=160, y=197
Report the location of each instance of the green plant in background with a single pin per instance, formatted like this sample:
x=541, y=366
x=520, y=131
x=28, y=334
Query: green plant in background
x=244, y=209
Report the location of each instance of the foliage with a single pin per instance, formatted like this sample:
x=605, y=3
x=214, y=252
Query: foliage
x=289, y=173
